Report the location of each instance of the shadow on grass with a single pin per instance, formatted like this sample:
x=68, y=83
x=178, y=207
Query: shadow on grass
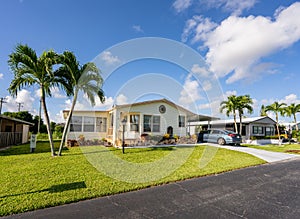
x=54, y=189
x=41, y=147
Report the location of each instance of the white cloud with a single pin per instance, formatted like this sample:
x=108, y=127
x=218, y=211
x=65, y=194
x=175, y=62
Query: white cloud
x=38, y=93
x=58, y=118
x=289, y=99
x=56, y=93
x=121, y=99
x=235, y=7
x=24, y=97
x=1, y=76
x=214, y=105
x=181, y=5
x=138, y=28
x=108, y=58
x=237, y=45
x=109, y=101
x=190, y=92
x=84, y=104
x=206, y=85
x=198, y=28
x=200, y=71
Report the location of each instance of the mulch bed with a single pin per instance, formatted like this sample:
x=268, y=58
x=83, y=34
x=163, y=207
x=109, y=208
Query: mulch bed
x=293, y=151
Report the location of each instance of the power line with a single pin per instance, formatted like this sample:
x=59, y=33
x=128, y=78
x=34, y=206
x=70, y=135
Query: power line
x=2, y=100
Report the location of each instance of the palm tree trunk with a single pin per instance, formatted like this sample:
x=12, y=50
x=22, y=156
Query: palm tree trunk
x=295, y=121
x=277, y=127
x=64, y=136
x=235, y=124
x=241, y=124
x=47, y=122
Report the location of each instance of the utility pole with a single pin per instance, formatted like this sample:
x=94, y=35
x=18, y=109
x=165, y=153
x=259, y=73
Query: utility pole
x=2, y=100
x=19, y=106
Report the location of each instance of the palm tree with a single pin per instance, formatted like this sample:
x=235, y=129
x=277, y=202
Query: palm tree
x=85, y=78
x=277, y=108
x=30, y=70
x=263, y=111
x=244, y=102
x=292, y=110
x=231, y=107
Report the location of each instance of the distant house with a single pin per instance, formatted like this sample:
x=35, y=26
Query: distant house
x=13, y=131
x=154, y=117
x=255, y=126
x=290, y=125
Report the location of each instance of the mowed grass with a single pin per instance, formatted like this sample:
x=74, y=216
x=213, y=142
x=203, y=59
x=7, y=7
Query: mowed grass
x=284, y=148
x=31, y=181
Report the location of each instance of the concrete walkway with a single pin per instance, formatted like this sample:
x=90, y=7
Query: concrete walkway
x=262, y=154
x=268, y=156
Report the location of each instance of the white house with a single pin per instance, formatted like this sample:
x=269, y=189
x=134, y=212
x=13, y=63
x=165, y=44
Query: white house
x=255, y=126
x=154, y=117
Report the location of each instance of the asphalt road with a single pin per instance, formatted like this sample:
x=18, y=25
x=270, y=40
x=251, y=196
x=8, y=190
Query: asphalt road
x=266, y=191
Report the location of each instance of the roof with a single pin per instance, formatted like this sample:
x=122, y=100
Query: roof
x=155, y=101
x=192, y=116
x=16, y=120
x=244, y=120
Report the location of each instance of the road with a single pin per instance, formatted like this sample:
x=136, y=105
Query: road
x=265, y=191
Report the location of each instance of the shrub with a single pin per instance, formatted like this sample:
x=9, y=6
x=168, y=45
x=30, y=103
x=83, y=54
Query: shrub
x=263, y=137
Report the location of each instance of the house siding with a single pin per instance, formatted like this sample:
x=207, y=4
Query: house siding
x=117, y=114
x=89, y=135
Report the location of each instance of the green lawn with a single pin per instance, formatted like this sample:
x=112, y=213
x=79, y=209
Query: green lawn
x=33, y=181
x=277, y=148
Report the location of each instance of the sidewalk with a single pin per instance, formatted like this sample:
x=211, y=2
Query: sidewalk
x=268, y=156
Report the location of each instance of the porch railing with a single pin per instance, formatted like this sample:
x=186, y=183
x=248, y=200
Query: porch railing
x=10, y=138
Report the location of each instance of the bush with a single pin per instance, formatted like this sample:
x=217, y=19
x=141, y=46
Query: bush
x=263, y=137
x=295, y=134
x=42, y=136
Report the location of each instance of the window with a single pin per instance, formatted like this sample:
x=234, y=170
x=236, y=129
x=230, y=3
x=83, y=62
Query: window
x=156, y=123
x=270, y=131
x=181, y=120
x=257, y=130
x=101, y=124
x=147, y=123
x=134, y=123
x=76, y=124
x=151, y=123
x=111, y=120
x=89, y=124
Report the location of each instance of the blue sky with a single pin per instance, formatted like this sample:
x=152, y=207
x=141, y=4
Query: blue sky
x=251, y=46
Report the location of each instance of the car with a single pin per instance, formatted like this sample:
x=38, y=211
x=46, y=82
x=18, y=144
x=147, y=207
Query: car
x=220, y=136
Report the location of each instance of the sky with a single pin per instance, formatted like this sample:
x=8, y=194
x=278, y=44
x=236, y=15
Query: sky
x=192, y=52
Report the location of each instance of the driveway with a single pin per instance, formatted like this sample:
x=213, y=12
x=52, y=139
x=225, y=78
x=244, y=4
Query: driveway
x=268, y=156
x=265, y=191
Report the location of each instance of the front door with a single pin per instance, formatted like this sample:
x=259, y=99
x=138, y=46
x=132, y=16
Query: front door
x=170, y=131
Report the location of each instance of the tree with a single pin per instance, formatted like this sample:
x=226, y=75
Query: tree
x=244, y=102
x=52, y=126
x=23, y=115
x=43, y=128
x=292, y=110
x=84, y=78
x=263, y=111
x=277, y=108
x=30, y=70
x=231, y=107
